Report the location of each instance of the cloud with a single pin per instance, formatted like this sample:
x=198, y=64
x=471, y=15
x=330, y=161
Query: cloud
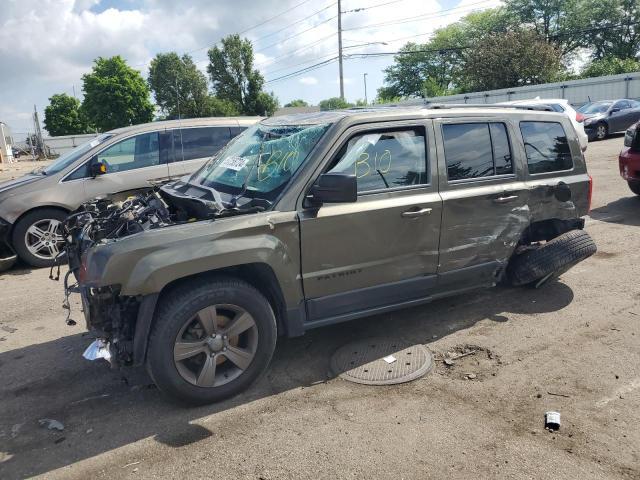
x=308, y=80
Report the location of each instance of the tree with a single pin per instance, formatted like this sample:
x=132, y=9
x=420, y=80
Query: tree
x=63, y=116
x=614, y=29
x=115, y=95
x=435, y=68
x=297, y=103
x=334, y=103
x=511, y=59
x=234, y=79
x=215, y=107
x=178, y=86
x=610, y=66
x=558, y=22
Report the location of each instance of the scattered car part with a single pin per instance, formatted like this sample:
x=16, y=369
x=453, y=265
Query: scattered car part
x=552, y=421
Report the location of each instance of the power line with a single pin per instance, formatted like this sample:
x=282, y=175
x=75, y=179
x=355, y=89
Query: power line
x=297, y=34
x=306, y=47
x=297, y=64
x=304, y=70
x=295, y=23
x=372, y=6
x=414, y=18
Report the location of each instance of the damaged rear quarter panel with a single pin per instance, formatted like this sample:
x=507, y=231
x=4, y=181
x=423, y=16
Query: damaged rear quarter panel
x=151, y=260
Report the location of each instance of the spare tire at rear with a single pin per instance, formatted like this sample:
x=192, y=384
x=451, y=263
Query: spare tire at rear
x=550, y=259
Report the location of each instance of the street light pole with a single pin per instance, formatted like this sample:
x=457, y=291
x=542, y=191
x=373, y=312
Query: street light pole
x=340, y=48
x=366, y=101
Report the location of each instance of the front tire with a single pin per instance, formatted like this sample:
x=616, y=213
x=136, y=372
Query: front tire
x=211, y=340
x=551, y=259
x=634, y=185
x=38, y=237
x=601, y=131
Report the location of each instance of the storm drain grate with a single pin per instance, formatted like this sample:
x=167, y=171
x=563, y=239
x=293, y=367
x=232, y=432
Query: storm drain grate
x=381, y=362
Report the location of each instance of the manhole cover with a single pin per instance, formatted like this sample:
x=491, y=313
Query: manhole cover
x=381, y=362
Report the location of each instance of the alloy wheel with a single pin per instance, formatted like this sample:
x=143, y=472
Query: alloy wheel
x=601, y=132
x=44, y=238
x=215, y=346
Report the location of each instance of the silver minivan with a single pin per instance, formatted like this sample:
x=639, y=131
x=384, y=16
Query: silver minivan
x=32, y=207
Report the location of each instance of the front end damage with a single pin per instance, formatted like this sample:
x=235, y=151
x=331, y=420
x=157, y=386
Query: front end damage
x=119, y=323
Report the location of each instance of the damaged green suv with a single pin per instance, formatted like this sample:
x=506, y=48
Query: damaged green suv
x=308, y=220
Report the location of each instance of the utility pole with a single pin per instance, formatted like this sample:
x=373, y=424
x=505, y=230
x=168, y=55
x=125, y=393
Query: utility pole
x=39, y=139
x=340, y=48
x=366, y=101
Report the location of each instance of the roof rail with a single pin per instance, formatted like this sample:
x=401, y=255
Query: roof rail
x=444, y=106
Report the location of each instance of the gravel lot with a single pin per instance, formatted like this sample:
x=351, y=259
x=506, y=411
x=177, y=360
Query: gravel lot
x=578, y=337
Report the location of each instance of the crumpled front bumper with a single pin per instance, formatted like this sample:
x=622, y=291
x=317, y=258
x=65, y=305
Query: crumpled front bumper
x=8, y=256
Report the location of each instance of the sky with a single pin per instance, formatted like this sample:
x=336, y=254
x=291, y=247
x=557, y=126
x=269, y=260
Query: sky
x=47, y=45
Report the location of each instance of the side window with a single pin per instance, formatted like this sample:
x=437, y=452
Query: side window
x=556, y=107
x=546, y=146
x=385, y=159
x=622, y=105
x=235, y=131
x=135, y=152
x=201, y=142
x=81, y=172
x=474, y=150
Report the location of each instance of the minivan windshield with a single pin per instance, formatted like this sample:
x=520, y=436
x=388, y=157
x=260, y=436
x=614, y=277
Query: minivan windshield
x=597, y=107
x=261, y=160
x=70, y=157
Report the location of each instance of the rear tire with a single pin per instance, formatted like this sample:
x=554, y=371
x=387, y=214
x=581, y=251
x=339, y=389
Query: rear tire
x=181, y=321
x=38, y=236
x=634, y=185
x=551, y=259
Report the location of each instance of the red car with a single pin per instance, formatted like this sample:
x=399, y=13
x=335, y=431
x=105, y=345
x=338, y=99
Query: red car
x=629, y=159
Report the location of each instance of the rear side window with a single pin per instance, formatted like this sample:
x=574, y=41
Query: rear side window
x=385, y=159
x=474, y=150
x=547, y=147
x=201, y=142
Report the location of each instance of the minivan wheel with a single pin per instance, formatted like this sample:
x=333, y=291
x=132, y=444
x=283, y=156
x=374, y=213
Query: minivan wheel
x=601, y=131
x=38, y=237
x=552, y=259
x=211, y=340
x=634, y=185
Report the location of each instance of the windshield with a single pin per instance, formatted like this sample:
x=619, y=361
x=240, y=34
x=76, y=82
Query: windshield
x=261, y=160
x=70, y=157
x=599, y=107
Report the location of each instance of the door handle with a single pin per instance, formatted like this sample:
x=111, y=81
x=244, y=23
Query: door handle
x=417, y=213
x=508, y=199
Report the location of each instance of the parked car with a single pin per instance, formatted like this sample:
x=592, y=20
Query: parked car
x=311, y=219
x=32, y=207
x=609, y=116
x=629, y=159
x=559, y=105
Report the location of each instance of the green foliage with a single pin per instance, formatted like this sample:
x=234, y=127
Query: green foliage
x=297, y=103
x=615, y=28
x=216, y=107
x=610, y=66
x=115, y=95
x=178, y=86
x=63, y=116
x=559, y=22
x=235, y=80
x=435, y=68
x=334, y=103
x=511, y=59
x=360, y=103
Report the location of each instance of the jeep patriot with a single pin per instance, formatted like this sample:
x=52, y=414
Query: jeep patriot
x=307, y=220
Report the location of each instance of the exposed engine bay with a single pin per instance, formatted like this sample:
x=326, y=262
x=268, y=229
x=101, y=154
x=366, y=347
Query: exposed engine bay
x=110, y=316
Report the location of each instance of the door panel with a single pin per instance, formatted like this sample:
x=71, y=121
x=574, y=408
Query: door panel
x=132, y=163
x=485, y=205
x=382, y=249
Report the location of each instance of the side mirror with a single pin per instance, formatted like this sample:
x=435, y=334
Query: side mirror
x=334, y=188
x=562, y=192
x=97, y=168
